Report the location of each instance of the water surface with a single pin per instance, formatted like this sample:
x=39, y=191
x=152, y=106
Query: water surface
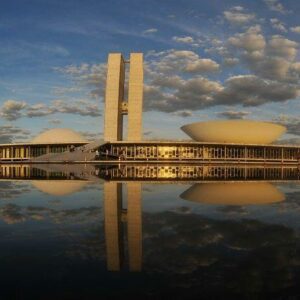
x=85, y=232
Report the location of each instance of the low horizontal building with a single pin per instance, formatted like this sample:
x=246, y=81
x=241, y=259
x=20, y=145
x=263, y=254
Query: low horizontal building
x=56, y=140
x=215, y=141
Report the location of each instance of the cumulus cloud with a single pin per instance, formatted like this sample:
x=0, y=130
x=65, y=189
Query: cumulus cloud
x=10, y=133
x=237, y=16
x=278, y=25
x=12, y=110
x=171, y=85
x=251, y=40
x=274, y=58
x=275, y=5
x=194, y=93
x=185, y=40
x=182, y=61
x=230, y=114
x=295, y=29
x=230, y=61
x=91, y=75
x=282, y=47
x=250, y=90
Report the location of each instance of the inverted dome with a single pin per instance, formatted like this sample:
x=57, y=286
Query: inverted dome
x=234, y=131
x=59, y=187
x=59, y=136
x=233, y=193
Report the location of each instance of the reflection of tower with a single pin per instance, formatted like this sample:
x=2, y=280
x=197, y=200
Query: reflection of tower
x=115, y=104
x=114, y=234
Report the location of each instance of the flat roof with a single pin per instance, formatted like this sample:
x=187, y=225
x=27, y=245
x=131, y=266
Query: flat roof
x=190, y=143
x=42, y=144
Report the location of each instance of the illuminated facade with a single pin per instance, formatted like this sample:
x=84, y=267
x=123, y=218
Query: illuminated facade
x=115, y=104
x=202, y=152
x=198, y=173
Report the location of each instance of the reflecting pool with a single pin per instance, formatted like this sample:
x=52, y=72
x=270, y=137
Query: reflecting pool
x=149, y=231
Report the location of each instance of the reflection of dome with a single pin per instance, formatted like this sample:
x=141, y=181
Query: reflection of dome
x=58, y=136
x=233, y=193
x=59, y=187
x=234, y=131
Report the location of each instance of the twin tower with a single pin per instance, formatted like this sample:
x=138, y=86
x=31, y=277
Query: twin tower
x=116, y=104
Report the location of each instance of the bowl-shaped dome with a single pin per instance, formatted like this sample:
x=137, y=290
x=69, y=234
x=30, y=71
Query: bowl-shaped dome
x=234, y=131
x=59, y=136
x=59, y=187
x=233, y=193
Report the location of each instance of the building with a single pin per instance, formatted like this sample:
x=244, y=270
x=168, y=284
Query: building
x=215, y=141
x=225, y=141
x=56, y=140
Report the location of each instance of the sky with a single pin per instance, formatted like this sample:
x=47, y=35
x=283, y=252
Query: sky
x=203, y=60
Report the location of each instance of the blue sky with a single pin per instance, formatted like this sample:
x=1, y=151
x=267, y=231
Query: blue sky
x=203, y=60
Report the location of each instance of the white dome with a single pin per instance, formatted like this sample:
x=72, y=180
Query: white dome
x=59, y=136
x=234, y=131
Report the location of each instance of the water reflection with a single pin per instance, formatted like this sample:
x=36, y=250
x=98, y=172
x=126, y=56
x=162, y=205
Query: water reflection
x=114, y=215
x=234, y=193
x=172, y=233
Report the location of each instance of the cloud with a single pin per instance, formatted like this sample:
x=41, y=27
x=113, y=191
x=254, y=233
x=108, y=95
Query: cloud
x=237, y=16
x=91, y=136
x=272, y=59
x=182, y=61
x=185, y=40
x=292, y=123
x=10, y=133
x=11, y=109
x=183, y=113
x=275, y=5
x=230, y=114
x=251, y=40
x=86, y=75
x=250, y=90
x=149, y=31
x=295, y=29
x=282, y=47
x=277, y=24
x=172, y=87
x=191, y=94
x=230, y=61
x=54, y=121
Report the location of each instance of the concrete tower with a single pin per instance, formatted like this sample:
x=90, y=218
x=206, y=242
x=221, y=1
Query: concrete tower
x=135, y=97
x=115, y=104
x=114, y=95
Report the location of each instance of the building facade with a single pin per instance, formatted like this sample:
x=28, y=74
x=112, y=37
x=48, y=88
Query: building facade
x=117, y=104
